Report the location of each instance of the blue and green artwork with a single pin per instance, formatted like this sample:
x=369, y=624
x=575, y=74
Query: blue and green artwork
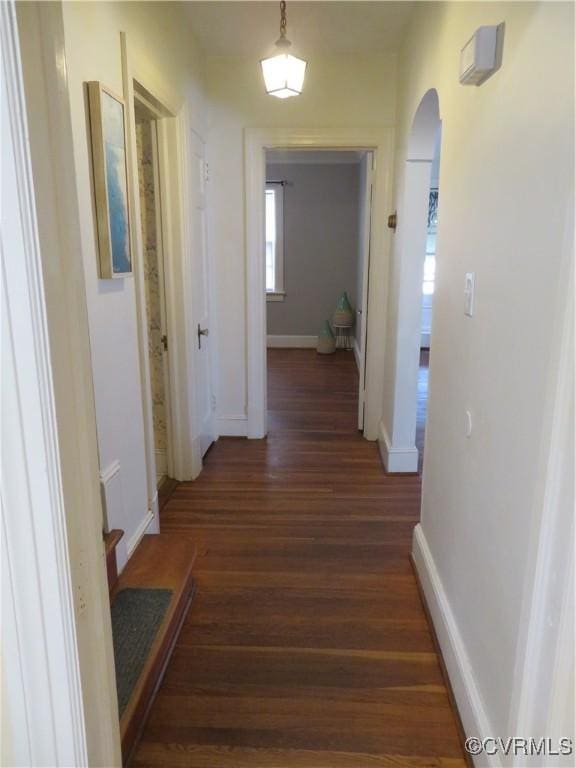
x=115, y=158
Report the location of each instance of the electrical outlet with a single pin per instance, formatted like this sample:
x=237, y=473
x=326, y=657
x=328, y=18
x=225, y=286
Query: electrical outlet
x=213, y=401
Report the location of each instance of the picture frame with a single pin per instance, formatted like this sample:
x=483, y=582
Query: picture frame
x=107, y=116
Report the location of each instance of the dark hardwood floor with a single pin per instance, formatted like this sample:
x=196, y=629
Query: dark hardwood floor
x=307, y=645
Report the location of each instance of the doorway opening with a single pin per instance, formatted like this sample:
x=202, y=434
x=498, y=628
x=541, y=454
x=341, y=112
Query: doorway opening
x=428, y=280
x=402, y=444
x=317, y=250
x=154, y=280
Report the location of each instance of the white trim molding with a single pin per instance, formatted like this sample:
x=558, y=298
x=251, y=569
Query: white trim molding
x=272, y=296
x=396, y=459
x=292, y=342
x=65, y=545
x=112, y=496
x=464, y=686
x=172, y=129
x=232, y=426
x=356, y=349
x=140, y=532
x=256, y=141
x=41, y=664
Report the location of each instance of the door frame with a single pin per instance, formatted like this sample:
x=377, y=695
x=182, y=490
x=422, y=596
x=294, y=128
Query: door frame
x=183, y=454
x=256, y=142
x=158, y=115
x=57, y=661
x=360, y=349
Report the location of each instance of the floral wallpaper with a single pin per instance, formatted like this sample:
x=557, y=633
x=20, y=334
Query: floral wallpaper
x=152, y=277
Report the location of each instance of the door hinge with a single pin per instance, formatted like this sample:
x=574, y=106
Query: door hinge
x=206, y=172
x=164, y=341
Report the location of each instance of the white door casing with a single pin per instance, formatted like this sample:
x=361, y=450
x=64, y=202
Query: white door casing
x=257, y=141
x=60, y=705
x=362, y=317
x=177, y=184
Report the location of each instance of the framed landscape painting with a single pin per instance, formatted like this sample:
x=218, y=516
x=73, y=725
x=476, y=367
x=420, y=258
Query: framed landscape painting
x=110, y=176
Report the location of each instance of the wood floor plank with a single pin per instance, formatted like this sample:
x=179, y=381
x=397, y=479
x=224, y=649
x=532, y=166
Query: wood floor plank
x=307, y=645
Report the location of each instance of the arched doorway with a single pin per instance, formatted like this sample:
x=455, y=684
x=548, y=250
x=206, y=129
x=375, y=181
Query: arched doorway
x=410, y=305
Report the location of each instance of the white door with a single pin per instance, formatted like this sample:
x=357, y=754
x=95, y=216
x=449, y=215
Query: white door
x=367, y=170
x=204, y=402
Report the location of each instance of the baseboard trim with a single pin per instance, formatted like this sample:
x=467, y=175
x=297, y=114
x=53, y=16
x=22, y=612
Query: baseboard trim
x=396, y=460
x=111, y=494
x=356, y=348
x=292, y=342
x=232, y=426
x=463, y=685
x=154, y=524
x=134, y=540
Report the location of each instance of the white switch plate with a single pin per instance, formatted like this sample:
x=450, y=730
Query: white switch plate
x=469, y=293
x=468, y=421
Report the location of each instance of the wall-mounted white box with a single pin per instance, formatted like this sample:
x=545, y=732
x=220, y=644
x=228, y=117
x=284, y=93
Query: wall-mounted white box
x=478, y=58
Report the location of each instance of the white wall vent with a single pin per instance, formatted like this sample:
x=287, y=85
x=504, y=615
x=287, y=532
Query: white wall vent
x=480, y=56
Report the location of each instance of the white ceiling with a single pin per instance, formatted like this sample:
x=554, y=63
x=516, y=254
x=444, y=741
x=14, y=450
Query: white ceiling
x=251, y=28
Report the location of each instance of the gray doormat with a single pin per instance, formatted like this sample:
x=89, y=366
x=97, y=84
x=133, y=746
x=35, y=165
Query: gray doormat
x=137, y=614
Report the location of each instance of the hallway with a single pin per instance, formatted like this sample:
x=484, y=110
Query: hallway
x=306, y=644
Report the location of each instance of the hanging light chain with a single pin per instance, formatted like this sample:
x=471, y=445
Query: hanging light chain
x=283, y=19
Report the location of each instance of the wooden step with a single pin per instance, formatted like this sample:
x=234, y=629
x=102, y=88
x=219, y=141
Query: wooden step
x=160, y=561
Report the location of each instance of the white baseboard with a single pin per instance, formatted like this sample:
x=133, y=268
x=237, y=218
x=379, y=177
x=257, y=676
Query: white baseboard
x=232, y=426
x=154, y=525
x=294, y=342
x=466, y=692
x=356, y=348
x=396, y=459
x=134, y=540
x=112, y=497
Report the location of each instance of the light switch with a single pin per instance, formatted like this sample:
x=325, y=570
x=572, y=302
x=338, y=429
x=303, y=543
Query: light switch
x=469, y=294
x=468, y=423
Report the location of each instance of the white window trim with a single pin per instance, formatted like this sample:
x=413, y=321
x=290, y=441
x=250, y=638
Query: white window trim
x=278, y=293
x=275, y=295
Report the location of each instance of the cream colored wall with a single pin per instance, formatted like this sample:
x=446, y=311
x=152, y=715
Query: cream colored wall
x=506, y=181
x=164, y=48
x=340, y=92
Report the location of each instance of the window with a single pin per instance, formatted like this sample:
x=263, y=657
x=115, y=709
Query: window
x=274, y=214
x=430, y=260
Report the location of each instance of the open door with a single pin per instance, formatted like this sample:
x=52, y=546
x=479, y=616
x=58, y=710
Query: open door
x=204, y=403
x=367, y=169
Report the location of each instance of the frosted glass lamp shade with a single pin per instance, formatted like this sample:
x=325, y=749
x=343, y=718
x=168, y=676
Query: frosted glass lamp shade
x=283, y=75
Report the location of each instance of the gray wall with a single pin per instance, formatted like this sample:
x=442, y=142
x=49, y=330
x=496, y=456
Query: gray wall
x=321, y=222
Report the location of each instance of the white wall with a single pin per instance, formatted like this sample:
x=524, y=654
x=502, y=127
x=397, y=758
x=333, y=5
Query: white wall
x=506, y=186
x=167, y=54
x=340, y=91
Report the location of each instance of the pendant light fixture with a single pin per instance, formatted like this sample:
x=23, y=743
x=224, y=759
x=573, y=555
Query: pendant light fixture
x=283, y=73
